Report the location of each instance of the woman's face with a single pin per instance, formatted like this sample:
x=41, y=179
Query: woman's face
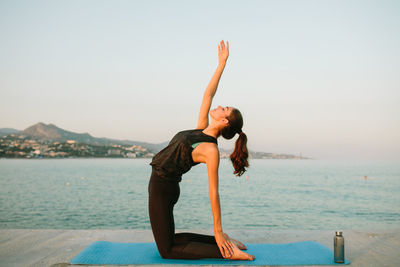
x=220, y=112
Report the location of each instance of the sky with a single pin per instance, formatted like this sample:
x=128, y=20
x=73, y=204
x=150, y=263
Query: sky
x=320, y=78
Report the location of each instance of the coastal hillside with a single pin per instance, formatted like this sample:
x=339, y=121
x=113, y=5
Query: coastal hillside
x=44, y=140
x=50, y=132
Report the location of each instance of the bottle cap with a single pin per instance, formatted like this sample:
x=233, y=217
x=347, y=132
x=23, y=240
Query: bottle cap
x=339, y=232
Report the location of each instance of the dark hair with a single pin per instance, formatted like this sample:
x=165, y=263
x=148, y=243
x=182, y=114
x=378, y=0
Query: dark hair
x=240, y=155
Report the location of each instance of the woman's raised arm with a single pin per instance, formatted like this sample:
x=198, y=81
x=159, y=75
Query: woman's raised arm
x=223, y=53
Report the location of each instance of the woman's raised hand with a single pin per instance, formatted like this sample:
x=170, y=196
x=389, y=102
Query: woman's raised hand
x=223, y=52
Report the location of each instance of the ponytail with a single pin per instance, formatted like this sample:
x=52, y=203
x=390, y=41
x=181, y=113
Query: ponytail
x=240, y=155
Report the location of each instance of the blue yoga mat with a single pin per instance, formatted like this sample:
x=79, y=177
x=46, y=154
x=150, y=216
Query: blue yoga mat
x=299, y=253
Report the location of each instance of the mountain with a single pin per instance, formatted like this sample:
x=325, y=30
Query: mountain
x=51, y=132
x=7, y=131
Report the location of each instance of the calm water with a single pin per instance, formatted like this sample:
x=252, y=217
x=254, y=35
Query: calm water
x=278, y=194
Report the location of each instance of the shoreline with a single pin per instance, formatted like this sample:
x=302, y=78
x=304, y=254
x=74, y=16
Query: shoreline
x=51, y=247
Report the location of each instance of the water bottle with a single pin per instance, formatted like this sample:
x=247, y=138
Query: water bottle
x=338, y=241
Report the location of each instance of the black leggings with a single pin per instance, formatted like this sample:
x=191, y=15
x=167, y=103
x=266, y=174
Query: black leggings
x=163, y=195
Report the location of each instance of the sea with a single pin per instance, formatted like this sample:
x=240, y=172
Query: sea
x=272, y=194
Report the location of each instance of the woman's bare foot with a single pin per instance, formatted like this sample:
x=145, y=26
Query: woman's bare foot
x=239, y=244
x=239, y=254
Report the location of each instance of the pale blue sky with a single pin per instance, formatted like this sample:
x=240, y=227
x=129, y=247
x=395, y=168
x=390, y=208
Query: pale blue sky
x=316, y=77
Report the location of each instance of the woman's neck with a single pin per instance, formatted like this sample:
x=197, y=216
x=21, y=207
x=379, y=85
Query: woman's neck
x=212, y=130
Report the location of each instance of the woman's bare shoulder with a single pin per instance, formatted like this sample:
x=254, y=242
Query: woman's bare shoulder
x=205, y=151
x=209, y=147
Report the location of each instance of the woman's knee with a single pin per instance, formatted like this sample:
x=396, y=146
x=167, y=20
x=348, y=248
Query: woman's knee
x=166, y=253
x=175, y=252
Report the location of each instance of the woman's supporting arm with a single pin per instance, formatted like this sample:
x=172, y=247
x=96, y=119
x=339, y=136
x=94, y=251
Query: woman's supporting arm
x=212, y=162
x=223, y=53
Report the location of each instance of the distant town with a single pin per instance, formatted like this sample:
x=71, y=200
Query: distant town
x=49, y=141
x=14, y=146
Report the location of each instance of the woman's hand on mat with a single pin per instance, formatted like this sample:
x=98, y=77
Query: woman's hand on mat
x=239, y=244
x=224, y=244
x=223, y=52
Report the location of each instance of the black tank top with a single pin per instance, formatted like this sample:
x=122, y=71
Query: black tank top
x=176, y=159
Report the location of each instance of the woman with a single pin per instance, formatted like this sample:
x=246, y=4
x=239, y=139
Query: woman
x=186, y=149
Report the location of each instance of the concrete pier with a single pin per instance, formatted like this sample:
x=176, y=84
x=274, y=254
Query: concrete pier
x=55, y=248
